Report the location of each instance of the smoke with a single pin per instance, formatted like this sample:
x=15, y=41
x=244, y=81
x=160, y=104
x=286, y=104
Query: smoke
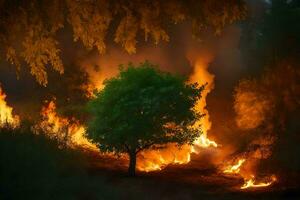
x=217, y=57
x=168, y=56
x=263, y=106
x=27, y=97
x=198, y=60
x=253, y=103
x=86, y=70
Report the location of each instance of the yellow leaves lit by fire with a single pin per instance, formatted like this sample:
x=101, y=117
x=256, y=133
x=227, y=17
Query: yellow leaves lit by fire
x=90, y=21
x=40, y=52
x=30, y=29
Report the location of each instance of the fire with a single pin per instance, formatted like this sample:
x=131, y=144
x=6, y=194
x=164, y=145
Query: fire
x=235, y=169
x=251, y=183
x=202, y=76
x=152, y=160
x=66, y=131
x=6, y=116
x=249, y=180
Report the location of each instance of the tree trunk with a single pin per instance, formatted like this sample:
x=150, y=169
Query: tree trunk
x=132, y=164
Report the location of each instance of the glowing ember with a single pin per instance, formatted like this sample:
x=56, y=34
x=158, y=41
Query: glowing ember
x=6, y=116
x=68, y=132
x=251, y=183
x=234, y=169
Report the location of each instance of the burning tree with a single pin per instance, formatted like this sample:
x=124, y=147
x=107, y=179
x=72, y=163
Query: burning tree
x=143, y=108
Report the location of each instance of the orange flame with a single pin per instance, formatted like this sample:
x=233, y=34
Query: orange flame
x=234, y=169
x=151, y=160
x=249, y=180
x=64, y=130
x=6, y=116
x=251, y=183
x=202, y=76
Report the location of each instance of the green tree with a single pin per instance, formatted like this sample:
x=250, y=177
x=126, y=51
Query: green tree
x=143, y=108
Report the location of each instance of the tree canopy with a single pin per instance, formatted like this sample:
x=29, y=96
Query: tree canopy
x=28, y=29
x=143, y=108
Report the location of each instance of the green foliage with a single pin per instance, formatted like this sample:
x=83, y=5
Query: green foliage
x=143, y=108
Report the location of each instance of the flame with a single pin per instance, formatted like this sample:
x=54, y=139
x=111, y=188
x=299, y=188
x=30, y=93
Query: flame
x=234, y=169
x=68, y=132
x=251, y=183
x=6, y=116
x=151, y=160
x=202, y=76
x=249, y=180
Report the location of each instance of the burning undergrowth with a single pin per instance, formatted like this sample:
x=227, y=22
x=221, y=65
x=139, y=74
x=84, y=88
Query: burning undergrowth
x=259, y=114
x=262, y=106
x=68, y=132
x=253, y=106
x=7, y=119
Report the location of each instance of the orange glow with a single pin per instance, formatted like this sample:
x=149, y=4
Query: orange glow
x=6, y=116
x=251, y=183
x=68, y=132
x=202, y=76
x=249, y=180
x=151, y=160
x=234, y=169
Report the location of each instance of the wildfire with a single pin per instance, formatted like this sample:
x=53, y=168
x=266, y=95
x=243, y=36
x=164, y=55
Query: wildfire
x=204, y=142
x=235, y=169
x=251, y=183
x=68, y=132
x=6, y=116
x=202, y=76
x=152, y=160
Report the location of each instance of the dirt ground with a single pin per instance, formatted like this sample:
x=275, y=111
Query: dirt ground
x=184, y=182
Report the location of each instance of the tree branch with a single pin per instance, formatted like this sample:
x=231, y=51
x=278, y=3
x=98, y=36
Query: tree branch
x=145, y=147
